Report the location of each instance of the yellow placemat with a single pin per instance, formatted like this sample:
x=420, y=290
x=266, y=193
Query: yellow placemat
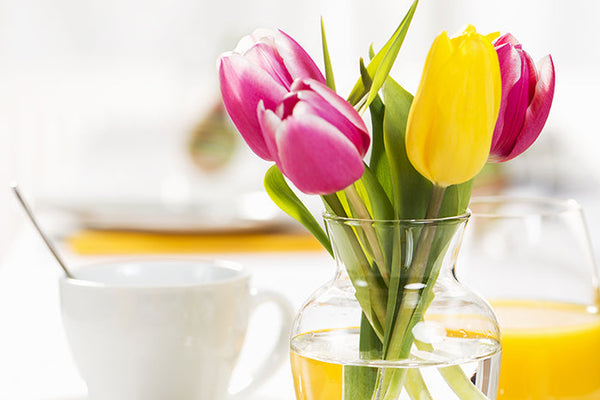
x=89, y=242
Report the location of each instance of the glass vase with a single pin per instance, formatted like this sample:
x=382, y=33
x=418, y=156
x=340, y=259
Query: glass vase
x=532, y=259
x=394, y=323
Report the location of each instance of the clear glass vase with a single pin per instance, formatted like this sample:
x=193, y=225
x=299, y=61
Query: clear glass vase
x=394, y=323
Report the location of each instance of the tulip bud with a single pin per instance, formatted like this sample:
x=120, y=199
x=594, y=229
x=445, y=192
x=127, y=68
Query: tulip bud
x=261, y=68
x=527, y=92
x=316, y=138
x=453, y=114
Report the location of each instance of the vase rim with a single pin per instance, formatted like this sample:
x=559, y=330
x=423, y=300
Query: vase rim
x=536, y=206
x=413, y=221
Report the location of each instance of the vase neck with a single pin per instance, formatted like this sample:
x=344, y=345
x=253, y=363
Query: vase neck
x=405, y=252
x=341, y=278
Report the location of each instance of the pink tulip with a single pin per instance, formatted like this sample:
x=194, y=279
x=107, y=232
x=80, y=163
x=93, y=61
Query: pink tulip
x=316, y=138
x=527, y=92
x=261, y=68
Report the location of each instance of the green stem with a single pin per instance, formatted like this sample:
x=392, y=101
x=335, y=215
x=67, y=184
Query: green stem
x=414, y=302
x=394, y=379
x=455, y=378
x=363, y=213
x=389, y=384
x=435, y=202
x=416, y=387
x=401, y=339
x=461, y=384
x=376, y=302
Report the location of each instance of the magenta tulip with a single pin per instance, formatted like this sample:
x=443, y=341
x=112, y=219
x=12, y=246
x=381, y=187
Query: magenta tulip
x=316, y=138
x=527, y=92
x=261, y=68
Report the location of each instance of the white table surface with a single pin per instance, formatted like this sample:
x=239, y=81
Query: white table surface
x=34, y=358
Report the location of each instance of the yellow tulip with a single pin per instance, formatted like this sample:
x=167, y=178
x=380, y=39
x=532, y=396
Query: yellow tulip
x=453, y=115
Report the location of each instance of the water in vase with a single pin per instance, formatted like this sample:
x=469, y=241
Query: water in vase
x=318, y=376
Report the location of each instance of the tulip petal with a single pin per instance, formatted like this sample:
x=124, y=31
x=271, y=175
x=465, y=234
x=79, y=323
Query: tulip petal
x=257, y=36
x=453, y=114
x=510, y=63
x=539, y=108
x=340, y=105
x=268, y=59
x=243, y=85
x=507, y=38
x=296, y=59
x=316, y=156
x=269, y=122
x=515, y=68
x=313, y=104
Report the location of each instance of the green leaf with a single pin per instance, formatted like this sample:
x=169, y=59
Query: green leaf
x=379, y=162
x=364, y=74
x=456, y=199
x=333, y=205
x=383, y=70
x=286, y=199
x=411, y=190
x=381, y=64
x=369, y=344
x=380, y=207
x=327, y=60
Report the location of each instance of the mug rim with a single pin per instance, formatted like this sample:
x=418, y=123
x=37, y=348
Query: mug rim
x=241, y=274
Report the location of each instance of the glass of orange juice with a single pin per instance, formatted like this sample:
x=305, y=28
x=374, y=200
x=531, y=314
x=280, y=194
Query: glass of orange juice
x=532, y=259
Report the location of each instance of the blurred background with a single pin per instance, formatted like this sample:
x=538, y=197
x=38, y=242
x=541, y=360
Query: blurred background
x=110, y=110
x=111, y=122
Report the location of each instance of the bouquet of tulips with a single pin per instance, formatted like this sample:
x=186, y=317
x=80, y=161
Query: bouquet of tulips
x=480, y=99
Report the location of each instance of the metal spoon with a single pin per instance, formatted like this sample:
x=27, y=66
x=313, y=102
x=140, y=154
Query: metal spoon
x=29, y=213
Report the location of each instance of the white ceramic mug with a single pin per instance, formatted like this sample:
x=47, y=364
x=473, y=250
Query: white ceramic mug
x=169, y=329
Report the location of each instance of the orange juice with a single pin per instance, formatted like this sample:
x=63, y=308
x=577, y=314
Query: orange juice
x=316, y=380
x=550, y=351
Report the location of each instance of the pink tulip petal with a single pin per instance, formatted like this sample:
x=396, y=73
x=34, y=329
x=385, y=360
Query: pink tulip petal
x=515, y=98
x=243, y=85
x=337, y=102
x=332, y=98
x=539, y=109
x=286, y=107
x=510, y=67
x=533, y=73
x=268, y=59
x=259, y=35
x=296, y=59
x=507, y=38
x=316, y=156
x=313, y=104
x=269, y=122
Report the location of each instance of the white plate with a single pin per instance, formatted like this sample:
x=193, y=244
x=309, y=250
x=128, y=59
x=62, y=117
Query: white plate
x=250, y=212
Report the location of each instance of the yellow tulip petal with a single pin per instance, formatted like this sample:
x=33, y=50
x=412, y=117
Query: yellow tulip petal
x=453, y=114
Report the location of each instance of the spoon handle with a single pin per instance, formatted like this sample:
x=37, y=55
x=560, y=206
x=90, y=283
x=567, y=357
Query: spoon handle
x=29, y=213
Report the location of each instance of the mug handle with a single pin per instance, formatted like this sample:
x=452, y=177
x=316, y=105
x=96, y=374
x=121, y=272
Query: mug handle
x=260, y=374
